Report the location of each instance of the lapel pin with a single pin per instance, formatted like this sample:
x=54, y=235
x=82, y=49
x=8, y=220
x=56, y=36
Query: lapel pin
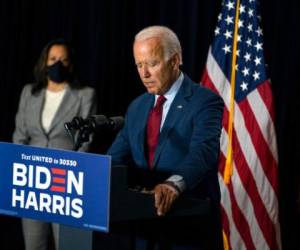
x=179, y=106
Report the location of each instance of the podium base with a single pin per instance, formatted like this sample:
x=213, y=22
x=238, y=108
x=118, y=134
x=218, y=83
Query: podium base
x=75, y=238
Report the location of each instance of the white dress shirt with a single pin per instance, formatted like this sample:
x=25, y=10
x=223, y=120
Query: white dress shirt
x=177, y=180
x=51, y=105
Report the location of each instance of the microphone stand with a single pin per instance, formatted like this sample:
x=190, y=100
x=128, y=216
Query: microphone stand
x=81, y=129
x=79, y=132
x=69, y=237
x=83, y=135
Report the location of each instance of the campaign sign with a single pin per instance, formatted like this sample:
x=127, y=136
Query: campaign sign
x=60, y=186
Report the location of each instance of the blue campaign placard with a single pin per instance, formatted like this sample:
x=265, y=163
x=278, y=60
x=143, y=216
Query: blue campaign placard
x=60, y=186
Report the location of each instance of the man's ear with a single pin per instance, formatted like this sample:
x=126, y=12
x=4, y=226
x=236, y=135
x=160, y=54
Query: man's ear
x=175, y=61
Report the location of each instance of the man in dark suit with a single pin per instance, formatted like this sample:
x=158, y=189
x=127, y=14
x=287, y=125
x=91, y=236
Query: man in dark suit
x=171, y=143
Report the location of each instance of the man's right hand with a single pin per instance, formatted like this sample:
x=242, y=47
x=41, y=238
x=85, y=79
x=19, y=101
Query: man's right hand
x=165, y=195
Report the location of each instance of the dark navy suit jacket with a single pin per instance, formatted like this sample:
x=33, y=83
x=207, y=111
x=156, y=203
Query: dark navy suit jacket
x=188, y=146
x=188, y=143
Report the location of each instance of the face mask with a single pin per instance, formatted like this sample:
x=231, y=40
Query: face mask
x=58, y=73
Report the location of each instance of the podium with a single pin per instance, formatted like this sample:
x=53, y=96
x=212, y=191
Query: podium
x=127, y=204
x=81, y=190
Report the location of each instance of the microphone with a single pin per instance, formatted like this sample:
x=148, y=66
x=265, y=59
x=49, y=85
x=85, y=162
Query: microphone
x=95, y=123
x=101, y=122
x=80, y=129
x=75, y=124
x=116, y=122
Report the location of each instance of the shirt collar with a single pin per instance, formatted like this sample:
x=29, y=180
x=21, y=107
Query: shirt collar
x=171, y=93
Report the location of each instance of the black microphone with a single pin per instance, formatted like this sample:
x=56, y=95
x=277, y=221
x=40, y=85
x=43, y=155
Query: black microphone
x=75, y=124
x=80, y=129
x=101, y=122
x=116, y=122
x=95, y=123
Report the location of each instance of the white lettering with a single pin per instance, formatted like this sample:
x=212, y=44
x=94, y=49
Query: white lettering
x=39, y=172
x=30, y=176
x=58, y=204
x=77, y=183
x=16, y=197
x=45, y=202
x=40, y=177
x=55, y=204
x=77, y=208
x=31, y=201
x=19, y=174
x=67, y=206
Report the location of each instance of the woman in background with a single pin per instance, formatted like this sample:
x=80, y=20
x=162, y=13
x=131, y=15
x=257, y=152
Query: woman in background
x=55, y=98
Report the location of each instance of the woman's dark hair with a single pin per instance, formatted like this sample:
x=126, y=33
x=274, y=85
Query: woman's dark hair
x=40, y=69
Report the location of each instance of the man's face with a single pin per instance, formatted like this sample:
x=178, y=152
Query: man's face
x=156, y=73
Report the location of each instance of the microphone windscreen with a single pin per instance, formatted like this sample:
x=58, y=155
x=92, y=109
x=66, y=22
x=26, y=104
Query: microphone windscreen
x=117, y=122
x=100, y=119
x=99, y=122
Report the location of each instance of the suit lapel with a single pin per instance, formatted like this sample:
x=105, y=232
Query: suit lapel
x=37, y=103
x=142, y=123
x=176, y=111
x=68, y=102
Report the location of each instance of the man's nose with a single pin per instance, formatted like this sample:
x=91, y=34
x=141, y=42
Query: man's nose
x=145, y=72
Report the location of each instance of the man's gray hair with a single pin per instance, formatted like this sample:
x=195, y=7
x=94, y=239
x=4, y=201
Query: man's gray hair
x=169, y=40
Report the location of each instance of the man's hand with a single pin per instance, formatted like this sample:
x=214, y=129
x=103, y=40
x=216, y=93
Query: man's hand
x=165, y=195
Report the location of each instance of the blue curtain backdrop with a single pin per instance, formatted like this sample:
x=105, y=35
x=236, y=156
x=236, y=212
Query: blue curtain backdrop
x=102, y=33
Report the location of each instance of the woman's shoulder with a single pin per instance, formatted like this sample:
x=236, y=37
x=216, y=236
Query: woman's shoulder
x=28, y=86
x=85, y=91
x=27, y=89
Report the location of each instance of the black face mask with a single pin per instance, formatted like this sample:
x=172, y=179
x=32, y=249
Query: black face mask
x=58, y=73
